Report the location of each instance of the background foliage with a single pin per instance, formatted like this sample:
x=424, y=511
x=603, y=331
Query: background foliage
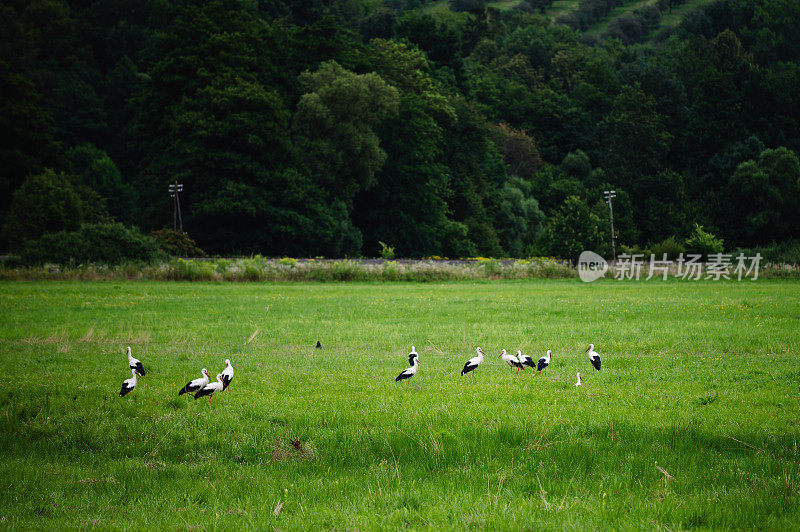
x=321, y=128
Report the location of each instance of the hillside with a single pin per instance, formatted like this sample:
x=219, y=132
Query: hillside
x=626, y=21
x=561, y=7
x=440, y=7
x=350, y=129
x=641, y=20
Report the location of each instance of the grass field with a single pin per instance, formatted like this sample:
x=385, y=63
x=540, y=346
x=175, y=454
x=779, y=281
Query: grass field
x=440, y=7
x=677, y=15
x=669, y=18
x=700, y=379
x=628, y=7
x=561, y=7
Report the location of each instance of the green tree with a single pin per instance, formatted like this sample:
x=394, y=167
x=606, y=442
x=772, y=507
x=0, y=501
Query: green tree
x=478, y=175
x=635, y=141
x=661, y=206
x=702, y=242
x=97, y=171
x=103, y=243
x=45, y=203
x=212, y=119
x=765, y=195
x=27, y=142
x=334, y=127
x=408, y=208
x=574, y=228
x=439, y=40
x=518, y=149
x=553, y=186
x=576, y=164
x=519, y=219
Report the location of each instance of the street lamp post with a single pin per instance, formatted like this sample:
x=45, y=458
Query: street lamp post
x=608, y=195
x=174, y=192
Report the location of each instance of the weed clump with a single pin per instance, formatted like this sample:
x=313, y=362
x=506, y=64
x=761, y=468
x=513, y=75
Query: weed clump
x=287, y=449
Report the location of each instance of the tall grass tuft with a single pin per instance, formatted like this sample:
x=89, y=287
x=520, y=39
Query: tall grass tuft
x=261, y=269
x=258, y=269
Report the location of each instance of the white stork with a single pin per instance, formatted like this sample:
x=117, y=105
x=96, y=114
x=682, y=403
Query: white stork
x=211, y=389
x=545, y=361
x=128, y=384
x=413, y=360
x=511, y=360
x=195, y=385
x=579, y=380
x=594, y=358
x=227, y=374
x=525, y=360
x=473, y=363
x=135, y=364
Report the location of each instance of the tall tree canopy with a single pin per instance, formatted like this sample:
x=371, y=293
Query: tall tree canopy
x=323, y=128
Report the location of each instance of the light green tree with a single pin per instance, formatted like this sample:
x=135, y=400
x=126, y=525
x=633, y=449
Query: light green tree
x=334, y=127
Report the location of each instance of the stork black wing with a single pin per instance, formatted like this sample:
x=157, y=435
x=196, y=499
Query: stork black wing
x=202, y=393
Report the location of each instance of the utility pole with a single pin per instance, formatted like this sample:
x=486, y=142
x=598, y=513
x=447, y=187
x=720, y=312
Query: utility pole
x=608, y=195
x=174, y=192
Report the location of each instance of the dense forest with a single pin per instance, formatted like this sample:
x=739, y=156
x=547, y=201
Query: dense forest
x=333, y=128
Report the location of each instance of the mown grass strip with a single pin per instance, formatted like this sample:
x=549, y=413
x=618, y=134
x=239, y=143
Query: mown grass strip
x=628, y=7
x=441, y=7
x=674, y=17
x=561, y=7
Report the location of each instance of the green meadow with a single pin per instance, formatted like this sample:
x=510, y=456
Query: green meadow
x=692, y=423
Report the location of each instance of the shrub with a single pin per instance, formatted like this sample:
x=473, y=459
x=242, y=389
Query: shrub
x=176, y=243
x=670, y=246
x=491, y=267
x=96, y=243
x=629, y=28
x=573, y=229
x=636, y=249
x=288, y=261
x=190, y=270
x=702, y=242
x=45, y=203
x=96, y=170
x=467, y=5
x=783, y=253
x=387, y=252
